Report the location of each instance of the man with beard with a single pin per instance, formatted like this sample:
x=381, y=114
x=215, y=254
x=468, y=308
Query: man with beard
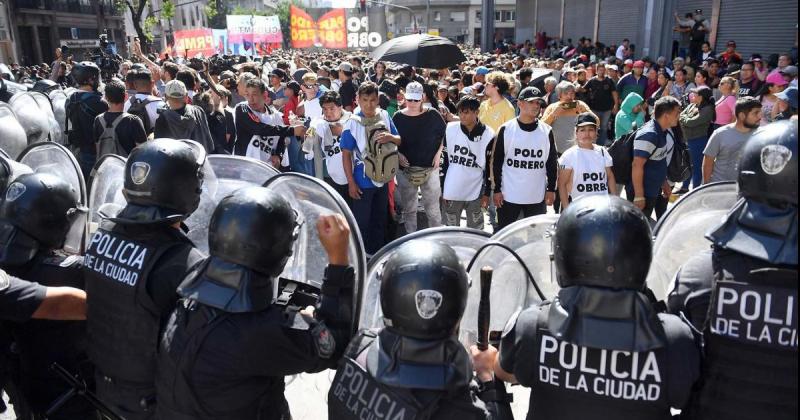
x=721, y=155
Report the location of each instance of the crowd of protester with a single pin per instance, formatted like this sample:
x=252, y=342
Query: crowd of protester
x=509, y=132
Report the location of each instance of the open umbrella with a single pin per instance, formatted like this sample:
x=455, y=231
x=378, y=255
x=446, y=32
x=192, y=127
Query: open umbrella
x=420, y=50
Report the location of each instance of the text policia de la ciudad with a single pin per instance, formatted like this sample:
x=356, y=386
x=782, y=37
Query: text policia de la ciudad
x=754, y=314
x=116, y=258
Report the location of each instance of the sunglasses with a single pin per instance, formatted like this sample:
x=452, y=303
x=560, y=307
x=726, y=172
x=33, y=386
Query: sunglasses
x=413, y=100
x=310, y=86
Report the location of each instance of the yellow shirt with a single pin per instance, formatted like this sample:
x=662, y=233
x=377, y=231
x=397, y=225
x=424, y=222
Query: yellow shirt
x=493, y=116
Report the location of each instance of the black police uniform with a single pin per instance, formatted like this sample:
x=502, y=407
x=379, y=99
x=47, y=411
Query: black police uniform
x=19, y=299
x=601, y=350
x=36, y=213
x=133, y=265
x=415, y=368
x=227, y=347
x=743, y=293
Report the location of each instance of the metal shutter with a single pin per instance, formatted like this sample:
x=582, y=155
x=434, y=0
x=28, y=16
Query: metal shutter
x=578, y=19
x=687, y=6
x=620, y=19
x=549, y=18
x=765, y=27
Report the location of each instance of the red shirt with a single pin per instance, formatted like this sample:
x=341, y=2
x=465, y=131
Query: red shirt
x=291, y=106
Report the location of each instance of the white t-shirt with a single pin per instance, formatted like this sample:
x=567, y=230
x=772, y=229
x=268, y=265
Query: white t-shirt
x=151, y=108
x=262, y=147
x=312, y=108
x=329, y=145
x=588, y=170
x=466, y=162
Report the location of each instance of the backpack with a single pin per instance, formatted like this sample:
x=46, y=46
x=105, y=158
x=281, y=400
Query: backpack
x=621, y=152
x=381, y=160
x=108, y=144
x=75, y=105
x=680, y=167
x=139, y=108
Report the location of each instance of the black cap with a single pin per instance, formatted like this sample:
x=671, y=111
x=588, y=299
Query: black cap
x=530, y=94
x=279, y=73
x=586, y=118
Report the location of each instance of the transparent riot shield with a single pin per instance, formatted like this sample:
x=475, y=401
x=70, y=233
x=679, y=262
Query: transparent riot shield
x=55, y=159
x=463, y=240
x=34, y=120
x=680, y=233
x=10, y=170
x=13, y=138
x=229, y=174
x=58, y=98
x=105, y=194
x=54, y=132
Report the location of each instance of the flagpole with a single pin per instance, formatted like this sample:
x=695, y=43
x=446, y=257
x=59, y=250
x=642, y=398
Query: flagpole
x=252, y=37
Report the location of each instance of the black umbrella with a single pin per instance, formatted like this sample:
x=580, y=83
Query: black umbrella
x=420, y=50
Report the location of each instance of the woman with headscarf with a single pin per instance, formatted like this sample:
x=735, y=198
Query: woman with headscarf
x=695, y=121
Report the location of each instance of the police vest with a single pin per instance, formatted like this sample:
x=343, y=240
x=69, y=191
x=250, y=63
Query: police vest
x=525, y=165
x=466, y=161
x=750, y=368
x=189, y=328
x=573, y=382
x=123, y=321
x=355, y=394
x=40, y=343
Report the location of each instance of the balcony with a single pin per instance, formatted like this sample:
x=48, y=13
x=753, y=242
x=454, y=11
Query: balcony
x=70, y=6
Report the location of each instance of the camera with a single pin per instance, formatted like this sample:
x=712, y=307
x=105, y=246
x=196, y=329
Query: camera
x=220, y=63
x=108, y=62
x=196, y=63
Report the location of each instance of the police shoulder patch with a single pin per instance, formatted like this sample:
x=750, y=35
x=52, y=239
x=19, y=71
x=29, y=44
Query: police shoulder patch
x=323, y=341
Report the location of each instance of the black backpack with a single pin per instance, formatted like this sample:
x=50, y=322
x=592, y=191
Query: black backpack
x=139, y=108
x=680, y=167
x=621, y=152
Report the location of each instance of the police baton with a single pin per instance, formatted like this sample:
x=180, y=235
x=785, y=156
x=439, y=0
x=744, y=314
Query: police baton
x=484, y=308
x=78, y=388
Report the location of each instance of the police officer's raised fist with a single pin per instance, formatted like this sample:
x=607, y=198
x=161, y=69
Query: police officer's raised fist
x=334, y=234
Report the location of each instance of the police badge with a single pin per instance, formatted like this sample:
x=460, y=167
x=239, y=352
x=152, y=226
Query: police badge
x=139, y=172
x=14, y=191
x=774, y=158
x=428, y=303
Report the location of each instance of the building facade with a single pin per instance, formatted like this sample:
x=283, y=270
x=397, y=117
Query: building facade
x=766, y=27
x=458, y=20
x=31, y=30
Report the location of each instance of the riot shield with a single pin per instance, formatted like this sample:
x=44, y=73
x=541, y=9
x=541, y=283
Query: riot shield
x=33, y=119
x=680, y=233
x=13, y=138
x=55, y=159
x=10, y=170
x=108, y=178
x=58, y=98
x=230, y=173
x=514, y=286
x=311, y=198
x=46, y=109
x=463, y=240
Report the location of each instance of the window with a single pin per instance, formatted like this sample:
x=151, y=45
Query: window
x=437, y=16
x=478, y=17
x=509, y=15
x=497, y=16
x=183, y=17
x=458, y=16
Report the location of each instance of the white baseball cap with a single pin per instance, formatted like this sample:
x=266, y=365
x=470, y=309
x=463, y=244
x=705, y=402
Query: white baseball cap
x=175, y=89
x=414, y=91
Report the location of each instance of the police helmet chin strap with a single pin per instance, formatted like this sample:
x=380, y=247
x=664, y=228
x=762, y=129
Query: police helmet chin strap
x=515, y=255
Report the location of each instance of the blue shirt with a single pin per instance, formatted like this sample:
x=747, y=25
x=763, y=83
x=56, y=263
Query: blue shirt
x=348, y=142
x=651, y=143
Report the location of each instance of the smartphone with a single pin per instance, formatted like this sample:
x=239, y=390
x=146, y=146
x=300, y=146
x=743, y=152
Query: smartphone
x=569, y=105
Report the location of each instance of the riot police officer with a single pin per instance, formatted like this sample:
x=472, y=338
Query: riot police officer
x=81, y=108
x=229, y=343
x=36, y=213
x=415, y=367
x=600, y=349
x=743, y=293
x=133, y=266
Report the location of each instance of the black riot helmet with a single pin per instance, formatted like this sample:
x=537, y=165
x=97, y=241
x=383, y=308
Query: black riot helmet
x=602, y=241
x=254, y=227
x=85, y=73
x=250, y=238
x=36, y=212
x=423, y=290
x=10, y=170
x=768, y=166
x=164, y=179
x=763, y=223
